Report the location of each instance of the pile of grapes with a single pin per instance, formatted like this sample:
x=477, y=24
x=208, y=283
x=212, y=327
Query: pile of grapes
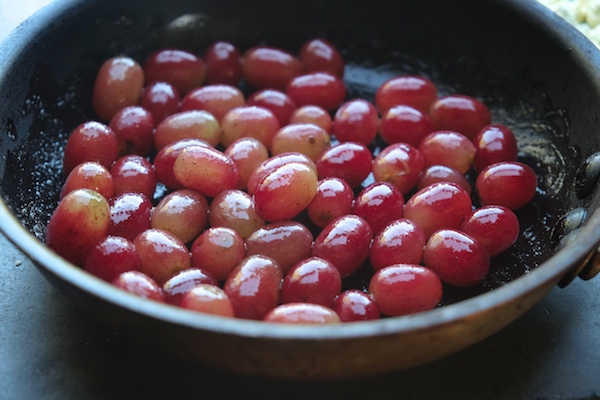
x=259, y=204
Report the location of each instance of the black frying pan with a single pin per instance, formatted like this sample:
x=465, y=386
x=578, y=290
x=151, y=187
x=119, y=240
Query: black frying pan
x=538, y=75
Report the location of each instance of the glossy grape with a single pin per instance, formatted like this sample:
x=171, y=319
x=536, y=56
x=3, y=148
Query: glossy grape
x=403, y=289
x=206, y=170
x=349, y=161
x=495, y=227
x=249, y=121
x=509, y=184
x=272, y=163
x=182, y=282
x=217, y=99
x=90, y=141
x=286, y=242
x=161, y=99
x=411, y=90
x=494, y=143
x=165, y=159
x=320, y=55
x=218, y=250
x=456, y=258
x=223, y=63
x=162, y=254
x=208, y=299
x=248, y=154
x=181, y=68
x=406, y=124
x=355, y=305
x=307, y=139
x=235, y=209
x=110, y=257
x=302, y=313
x=334, y=198
x=277, y=101
x=118, y=85
x=253, y=287
x=134, y=128
x=183, y=212
x=312, y=114
x=129, y=215
x=317, y=88
x=90, y=175
x=269, y=67
x=379, y=204
x=134, y=174
x=192, y=124
x=139, y=284
x=448, y=148
x=356, y=121
x=399, y=164
x=399, y=242
x=285, y=192
x=463, y=114
x=345, y=242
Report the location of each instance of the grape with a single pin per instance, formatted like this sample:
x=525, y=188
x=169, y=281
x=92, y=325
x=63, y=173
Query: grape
x=165, y=159
x=399, y=164
x=442, y=173
x=355, y=305
x=456, y=258
x=235, y=209
x=90, y=175
x=118, y=84
x=406, y=124
x=349, y=161
x=208, y=299
x=345, y=242
x=495, y=227
x=317, y=88
x=181, y=68
x=285, y=192
x=249, y=121
x=253, y=287
x=182, y=282
x=269, y=67
x=508, y=184
x=217, y=99
x=312, y=114
x=192, y=124
x=448, y=148
x=162, y=254
x=307, y=139
x=218, y=250
x=271, y=164
x=248, y=154
x=312, y=280
x=223, y=63
x=442, y=205
x=399, y=242
x=494, y=143
x=79, y=221
x=411, y=90
x=139, y=284
x=302, y=313
x=134, y=174
x=460, y=113
x=286, y=242
x=320, y=55
x=110, y=257
x=356, y=121
x=379, y=203
x=183, y=212
x=129, y=215
x=403, y=289
x=334, y=198
x=90, y=141
x=206, y=170
x=277, y=101
x=134, y=128
x=161, y=99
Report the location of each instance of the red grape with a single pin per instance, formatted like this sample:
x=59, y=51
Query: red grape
x=253, y=287
x=379, y=203
x=403, y=289
x=277, y=101
x=208, y=299
x=165, y=159
x=90, y=175
x=90, y=141
x=320, y=55
x=271, y=164
x=191, y=124
x=269, y=67
x=399, y=164
x=345, y=242
x=509, y=184
x=494, y=143
x=307, y=139
x=129, y=215
x=399, y=242
x=134, y=174
x=248, y=154
x=442, y=205
x=134, y=128
x=448, y=148
x=495, y=227
x=182, y=282
x=218, y=250
x=183, y=212
x=235, y=209
x=286, y=242
x=463, y=114
x=161, y=99
x=442, y=173
x=223, y=63
x=139, y=284
x=118, y=84
x=334, y=199
x=302, y=313
x=249, y=121
x=349, y=161
x=317, y=88
x=217, y=99
x=456, y=258
x=181, y=68
x=110, y=257
x=356, y=121
x=355, y=305
x=312, y=114
x=415, y=91
x=312, y=280
x=402, y=123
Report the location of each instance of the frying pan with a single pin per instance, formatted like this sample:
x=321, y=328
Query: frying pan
x=538, y=75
